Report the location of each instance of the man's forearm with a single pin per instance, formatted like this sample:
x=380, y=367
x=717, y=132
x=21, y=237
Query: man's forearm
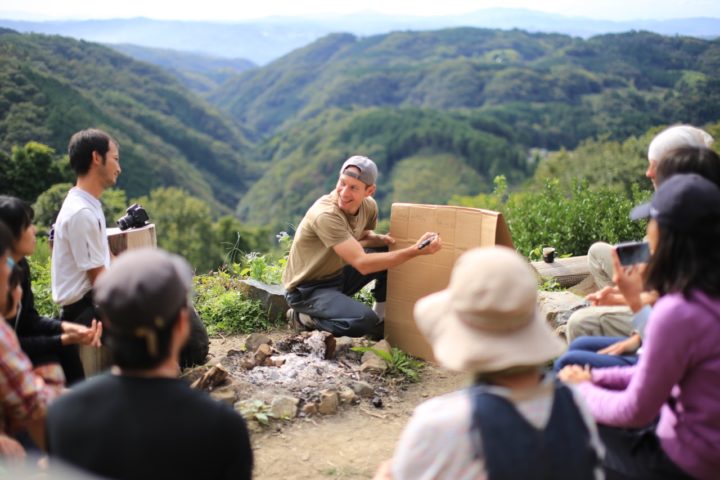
x=376, y=262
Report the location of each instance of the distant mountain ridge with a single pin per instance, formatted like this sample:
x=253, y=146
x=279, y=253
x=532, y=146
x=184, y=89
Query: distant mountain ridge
x=601, y=80
x=53, y=86
x=266, y=39
x=198, y=72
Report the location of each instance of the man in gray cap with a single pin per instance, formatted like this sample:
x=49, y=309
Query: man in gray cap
x=336, y=252
x=141, y=421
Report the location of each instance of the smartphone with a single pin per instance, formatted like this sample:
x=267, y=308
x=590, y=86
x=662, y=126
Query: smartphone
x=631, y=253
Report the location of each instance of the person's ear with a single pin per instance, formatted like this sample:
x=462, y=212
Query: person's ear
x=182, y=326
x=370, y=190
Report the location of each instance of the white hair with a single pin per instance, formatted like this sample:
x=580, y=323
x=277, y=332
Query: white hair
x=677, y=136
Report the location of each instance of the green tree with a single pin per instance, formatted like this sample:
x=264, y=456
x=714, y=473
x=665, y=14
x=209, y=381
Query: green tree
x=30, y=170
x=48, y=203
x=184, y=226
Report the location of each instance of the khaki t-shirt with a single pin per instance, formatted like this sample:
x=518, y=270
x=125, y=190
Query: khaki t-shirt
x=312, y=257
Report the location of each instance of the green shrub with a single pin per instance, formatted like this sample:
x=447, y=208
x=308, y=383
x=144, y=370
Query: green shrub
x=224, y=309
x=40, y=277
x=568, y=219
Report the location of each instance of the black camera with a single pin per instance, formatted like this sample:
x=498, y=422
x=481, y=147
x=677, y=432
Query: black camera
x=135, y=216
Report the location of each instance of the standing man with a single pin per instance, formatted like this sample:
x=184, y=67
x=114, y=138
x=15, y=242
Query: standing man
x=80, y=248
x=336, y=252
x=141, y=421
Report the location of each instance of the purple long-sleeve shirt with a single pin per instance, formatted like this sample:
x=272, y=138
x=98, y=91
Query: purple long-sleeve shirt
x=681, y=362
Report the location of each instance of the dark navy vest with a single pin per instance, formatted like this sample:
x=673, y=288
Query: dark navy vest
x=514, y=449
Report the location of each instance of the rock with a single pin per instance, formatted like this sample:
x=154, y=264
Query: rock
x=309, y=409
x=382, y=346
x=347, y=395
x=224, y=395
x=328, y=402
x=247, y=363
x=362, y=389
x=254, y=340
x=212, y=378
x=284, y=407
x=271, y=296
x=556, y=307
x=262, y=352
x=343, y=347
x=377, y=402
x=374, y=365
x=278, y=362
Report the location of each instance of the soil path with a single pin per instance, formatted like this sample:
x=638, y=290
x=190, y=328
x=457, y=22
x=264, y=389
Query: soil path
x=348, y=445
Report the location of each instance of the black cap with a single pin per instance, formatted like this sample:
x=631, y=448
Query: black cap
x=143, y=290
x=681, y=202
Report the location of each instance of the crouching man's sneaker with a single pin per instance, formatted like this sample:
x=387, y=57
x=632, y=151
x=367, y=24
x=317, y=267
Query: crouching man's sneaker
x=300, y=321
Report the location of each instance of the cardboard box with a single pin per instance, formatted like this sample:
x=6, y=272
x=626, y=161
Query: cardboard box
x=461, y=228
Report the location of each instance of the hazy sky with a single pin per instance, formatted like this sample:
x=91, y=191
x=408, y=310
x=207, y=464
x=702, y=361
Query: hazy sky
x=229, y=10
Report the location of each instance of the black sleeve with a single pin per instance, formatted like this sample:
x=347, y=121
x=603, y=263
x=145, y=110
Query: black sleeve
x=37, y=335
x=240, y=454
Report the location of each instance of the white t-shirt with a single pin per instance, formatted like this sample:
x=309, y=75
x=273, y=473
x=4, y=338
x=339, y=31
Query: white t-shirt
x=80, y=245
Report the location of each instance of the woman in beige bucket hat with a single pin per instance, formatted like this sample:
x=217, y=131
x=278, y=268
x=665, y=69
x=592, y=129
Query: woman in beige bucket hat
x=515, y=421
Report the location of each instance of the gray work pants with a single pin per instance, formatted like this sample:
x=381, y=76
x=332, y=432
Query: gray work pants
x=330, y=303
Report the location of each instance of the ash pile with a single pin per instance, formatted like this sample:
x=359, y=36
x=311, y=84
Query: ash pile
x=311, y=373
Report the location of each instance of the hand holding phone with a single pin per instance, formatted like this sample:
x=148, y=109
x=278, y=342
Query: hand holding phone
x=631, y=253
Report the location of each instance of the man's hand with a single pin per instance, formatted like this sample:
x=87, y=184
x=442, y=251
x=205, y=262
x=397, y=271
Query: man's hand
x=429, y=243
x=607, y=296
x=629, y=281
x=11, y=451
x=74, y=333
x=575, y=374
x=622, y=347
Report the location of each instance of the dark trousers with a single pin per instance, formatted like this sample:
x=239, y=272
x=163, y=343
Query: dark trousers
x=330, y=304
x=636, y=454
x=583, y=351
x=83, y=312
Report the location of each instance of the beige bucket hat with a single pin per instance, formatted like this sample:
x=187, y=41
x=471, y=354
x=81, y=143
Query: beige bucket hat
x=486, y=320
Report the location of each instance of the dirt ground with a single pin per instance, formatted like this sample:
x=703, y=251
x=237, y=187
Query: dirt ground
x=348, y=445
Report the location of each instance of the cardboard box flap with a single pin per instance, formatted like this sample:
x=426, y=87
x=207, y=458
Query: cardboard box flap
x=461, y=228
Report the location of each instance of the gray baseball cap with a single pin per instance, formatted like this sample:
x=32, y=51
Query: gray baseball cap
x=368, y=170
x=143, y=290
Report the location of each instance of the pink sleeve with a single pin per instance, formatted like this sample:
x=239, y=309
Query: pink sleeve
x=649, y=384
x=613, y=378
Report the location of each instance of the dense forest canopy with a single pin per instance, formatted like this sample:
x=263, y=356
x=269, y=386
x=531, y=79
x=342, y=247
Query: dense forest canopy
x=442, y=112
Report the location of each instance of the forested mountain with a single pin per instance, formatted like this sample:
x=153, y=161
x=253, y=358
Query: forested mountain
x=563, y=88
x=198, y=72
x=423, y=156
x=53, y=86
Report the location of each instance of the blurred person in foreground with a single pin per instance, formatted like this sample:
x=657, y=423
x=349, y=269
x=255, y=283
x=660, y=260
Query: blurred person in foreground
x=516, y=421
x=140, y=421
x=660, y=418
x=24, y=393
x=44, y=340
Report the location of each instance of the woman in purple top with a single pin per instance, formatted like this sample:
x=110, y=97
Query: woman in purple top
x=661, y=417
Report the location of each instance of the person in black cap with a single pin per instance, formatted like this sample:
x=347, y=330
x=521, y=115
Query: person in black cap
x=141, y=421
x=661, y=418
x=336, y=252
